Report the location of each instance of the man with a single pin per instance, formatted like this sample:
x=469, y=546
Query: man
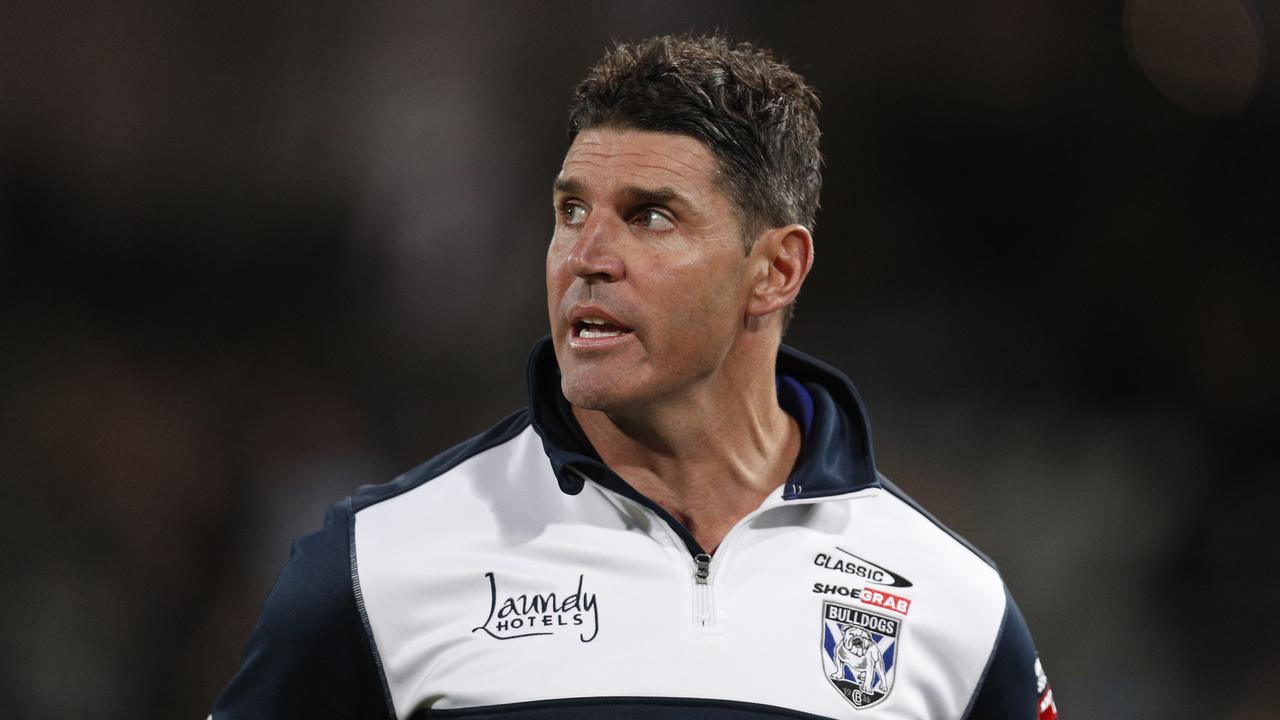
x=686, y=520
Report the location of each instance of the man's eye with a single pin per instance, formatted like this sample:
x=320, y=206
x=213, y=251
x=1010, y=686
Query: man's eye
x=573, y=213
x=653, y=219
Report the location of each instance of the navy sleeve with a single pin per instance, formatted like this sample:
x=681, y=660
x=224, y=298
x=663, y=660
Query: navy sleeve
x=310, y=656
x=1013, y=687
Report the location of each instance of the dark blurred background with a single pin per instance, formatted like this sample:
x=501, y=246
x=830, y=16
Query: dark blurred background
x=254, y=256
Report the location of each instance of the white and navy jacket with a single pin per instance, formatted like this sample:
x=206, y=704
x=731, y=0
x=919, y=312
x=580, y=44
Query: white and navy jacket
x=516, y=575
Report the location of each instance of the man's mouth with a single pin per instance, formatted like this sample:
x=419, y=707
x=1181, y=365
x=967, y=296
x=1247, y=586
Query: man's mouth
x=590, y=327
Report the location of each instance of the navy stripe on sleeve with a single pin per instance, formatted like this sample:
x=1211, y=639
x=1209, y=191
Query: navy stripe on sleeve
x=1007, y=690
x=309, y=656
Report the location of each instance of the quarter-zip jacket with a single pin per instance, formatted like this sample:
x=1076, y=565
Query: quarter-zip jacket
x=516, y=575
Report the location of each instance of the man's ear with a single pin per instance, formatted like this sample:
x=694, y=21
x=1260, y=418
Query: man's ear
x=781, y=259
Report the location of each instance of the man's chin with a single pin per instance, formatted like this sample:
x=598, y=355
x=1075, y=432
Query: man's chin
x=593, y=388
x=592, y=383
x=588, y=395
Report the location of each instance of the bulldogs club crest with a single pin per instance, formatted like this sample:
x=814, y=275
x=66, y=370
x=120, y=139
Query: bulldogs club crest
x=859, y=653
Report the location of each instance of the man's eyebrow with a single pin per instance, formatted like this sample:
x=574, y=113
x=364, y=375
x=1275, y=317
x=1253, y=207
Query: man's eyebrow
x=633, y=193
x=654, y=196
x=566, y=186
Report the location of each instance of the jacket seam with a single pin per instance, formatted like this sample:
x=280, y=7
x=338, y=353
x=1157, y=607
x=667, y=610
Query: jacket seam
x=364, y=614
x=995, y=647
x=588, y=701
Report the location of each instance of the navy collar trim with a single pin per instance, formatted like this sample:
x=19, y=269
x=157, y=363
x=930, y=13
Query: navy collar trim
x=835, y=457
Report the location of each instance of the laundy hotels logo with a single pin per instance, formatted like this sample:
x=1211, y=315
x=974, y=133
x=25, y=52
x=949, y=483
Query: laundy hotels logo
x=859, y=653
x=527, y=614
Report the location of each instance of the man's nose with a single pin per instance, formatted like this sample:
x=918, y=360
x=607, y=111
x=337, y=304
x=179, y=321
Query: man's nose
x=595, y=256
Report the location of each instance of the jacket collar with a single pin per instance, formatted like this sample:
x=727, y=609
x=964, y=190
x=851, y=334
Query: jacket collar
x=835, y=456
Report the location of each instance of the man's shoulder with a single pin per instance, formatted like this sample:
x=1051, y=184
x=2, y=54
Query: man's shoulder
x=942, y=534
x=445, y=463
x=939, y=556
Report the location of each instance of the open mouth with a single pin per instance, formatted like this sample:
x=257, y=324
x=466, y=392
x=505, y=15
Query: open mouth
x=589, y=328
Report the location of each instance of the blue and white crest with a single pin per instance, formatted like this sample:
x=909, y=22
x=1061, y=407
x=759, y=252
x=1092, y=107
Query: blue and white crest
x=859, y=653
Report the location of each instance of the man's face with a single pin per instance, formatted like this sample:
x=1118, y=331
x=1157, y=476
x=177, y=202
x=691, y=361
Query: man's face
x=647, y=282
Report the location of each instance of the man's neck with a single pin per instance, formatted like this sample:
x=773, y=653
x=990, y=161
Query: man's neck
x=710, y=457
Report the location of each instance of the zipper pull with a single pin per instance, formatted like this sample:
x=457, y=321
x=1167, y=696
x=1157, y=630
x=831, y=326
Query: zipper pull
x=702, y=568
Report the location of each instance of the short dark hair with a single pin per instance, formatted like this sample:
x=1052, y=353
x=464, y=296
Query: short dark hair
x=756, y=116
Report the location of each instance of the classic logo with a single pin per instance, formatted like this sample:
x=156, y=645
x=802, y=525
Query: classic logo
x=851, y=564
x=859, y=653
x=532, y=615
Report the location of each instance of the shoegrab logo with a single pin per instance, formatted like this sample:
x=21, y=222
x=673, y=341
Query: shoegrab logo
x=848, y=563
x=867, y=596
x=536, y=614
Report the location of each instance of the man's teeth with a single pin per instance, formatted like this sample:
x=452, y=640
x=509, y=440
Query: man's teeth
x=598, y=332
x=592, y=333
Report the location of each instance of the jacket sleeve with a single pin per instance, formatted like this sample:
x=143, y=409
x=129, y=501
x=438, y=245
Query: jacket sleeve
x=1014, y=686
x=310, y=656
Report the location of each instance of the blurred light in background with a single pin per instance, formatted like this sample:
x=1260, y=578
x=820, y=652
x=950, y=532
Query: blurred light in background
x=1205, y=55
